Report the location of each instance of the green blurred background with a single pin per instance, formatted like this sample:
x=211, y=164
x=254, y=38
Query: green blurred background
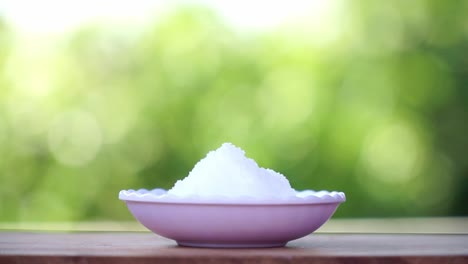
x=366, y=97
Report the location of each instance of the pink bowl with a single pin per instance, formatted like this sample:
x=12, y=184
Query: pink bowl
x=222, y=222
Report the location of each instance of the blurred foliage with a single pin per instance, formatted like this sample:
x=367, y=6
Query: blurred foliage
x=372, y=101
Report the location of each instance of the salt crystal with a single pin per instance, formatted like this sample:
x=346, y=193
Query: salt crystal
x=228, y=172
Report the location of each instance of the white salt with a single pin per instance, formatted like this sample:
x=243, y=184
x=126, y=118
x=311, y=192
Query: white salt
x=228, y=172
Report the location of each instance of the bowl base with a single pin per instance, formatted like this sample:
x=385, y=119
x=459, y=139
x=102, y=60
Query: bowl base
x=230, y=245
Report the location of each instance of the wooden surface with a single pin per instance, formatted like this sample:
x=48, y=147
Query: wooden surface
x=432, y=225
x=143, y=247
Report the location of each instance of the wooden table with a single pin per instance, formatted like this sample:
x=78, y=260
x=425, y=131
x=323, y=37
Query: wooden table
x=144, y=247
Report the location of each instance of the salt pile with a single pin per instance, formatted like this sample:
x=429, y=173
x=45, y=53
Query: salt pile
x=228, y=172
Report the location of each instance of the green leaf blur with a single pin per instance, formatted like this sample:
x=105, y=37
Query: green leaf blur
x=374, y=104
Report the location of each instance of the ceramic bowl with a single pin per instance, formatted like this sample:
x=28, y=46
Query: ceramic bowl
x=225, y=222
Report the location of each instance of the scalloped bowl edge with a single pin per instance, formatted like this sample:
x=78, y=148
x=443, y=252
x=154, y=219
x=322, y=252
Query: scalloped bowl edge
x=301, y=197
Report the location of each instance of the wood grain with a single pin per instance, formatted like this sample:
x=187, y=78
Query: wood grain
x=115, y=247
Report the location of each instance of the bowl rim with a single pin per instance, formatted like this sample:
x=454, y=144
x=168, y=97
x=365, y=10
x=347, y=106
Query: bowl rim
x=161, y=196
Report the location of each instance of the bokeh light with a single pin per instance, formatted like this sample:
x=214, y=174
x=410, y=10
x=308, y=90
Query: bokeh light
x=364, y=97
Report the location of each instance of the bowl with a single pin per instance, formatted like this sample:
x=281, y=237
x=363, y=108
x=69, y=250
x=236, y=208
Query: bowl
x=198, y=221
